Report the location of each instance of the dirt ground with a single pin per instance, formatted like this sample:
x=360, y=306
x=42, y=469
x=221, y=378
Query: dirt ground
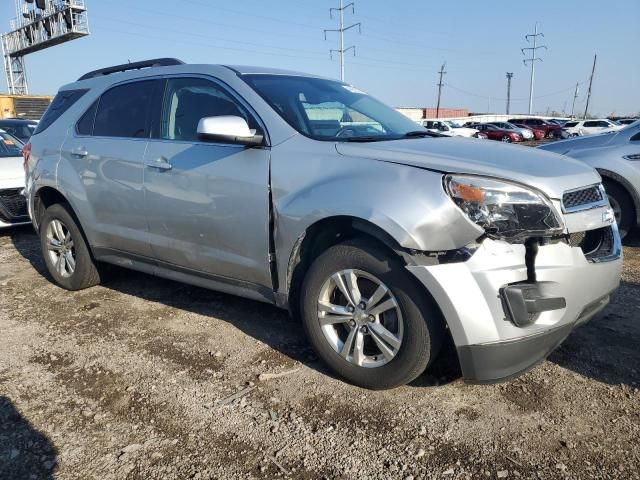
x=136, y=379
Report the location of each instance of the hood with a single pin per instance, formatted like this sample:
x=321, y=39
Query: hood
x=578, y=143
x=11, y=172
x=550, y=173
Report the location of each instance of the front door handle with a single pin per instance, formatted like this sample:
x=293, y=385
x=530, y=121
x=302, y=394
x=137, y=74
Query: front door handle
x=160, y=164
x=79, y=152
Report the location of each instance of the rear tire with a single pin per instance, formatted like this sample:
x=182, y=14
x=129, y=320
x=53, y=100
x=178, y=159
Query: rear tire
x=413, y=318
x=622, y=205
x=65, y=250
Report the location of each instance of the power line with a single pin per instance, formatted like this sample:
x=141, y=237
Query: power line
x=519, y=99
x=440, y=84
x=534, y=58
x=341, y=31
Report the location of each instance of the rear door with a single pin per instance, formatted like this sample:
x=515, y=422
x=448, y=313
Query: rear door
x=207, y=203
x=106, y=151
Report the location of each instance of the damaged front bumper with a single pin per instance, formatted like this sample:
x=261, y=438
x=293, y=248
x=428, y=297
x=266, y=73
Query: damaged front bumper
x=502, y=321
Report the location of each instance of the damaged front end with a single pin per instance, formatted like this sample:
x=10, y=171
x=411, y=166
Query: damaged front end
x=541, y=268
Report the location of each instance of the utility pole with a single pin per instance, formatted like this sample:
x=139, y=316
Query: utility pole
x=575, y=96
x=534, y=58
x=440, y=85
x=593, y=70
x=341, y=31
x=509, y=77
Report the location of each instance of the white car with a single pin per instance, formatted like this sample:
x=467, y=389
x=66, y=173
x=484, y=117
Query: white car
x=448, y=128
x=579, y=128
x=13, y=205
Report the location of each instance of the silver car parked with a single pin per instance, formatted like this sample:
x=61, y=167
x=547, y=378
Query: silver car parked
x=616, y=156
x=309, y=194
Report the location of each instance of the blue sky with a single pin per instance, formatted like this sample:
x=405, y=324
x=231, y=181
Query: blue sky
x=398, y=53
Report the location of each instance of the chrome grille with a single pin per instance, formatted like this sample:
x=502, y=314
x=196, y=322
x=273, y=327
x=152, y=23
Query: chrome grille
x=578, y=199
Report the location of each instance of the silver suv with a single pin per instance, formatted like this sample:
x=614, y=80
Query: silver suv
x=311, y=195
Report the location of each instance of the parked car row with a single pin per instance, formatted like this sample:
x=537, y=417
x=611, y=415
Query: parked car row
x=449, y=128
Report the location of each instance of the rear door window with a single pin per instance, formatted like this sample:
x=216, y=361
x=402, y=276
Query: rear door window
x=60, y=104
x=125, y=111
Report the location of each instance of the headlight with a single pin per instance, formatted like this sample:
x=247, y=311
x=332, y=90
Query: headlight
x=504, y=210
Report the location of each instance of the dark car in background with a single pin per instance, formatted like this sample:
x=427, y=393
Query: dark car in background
x=19, y=128
x=551, y=130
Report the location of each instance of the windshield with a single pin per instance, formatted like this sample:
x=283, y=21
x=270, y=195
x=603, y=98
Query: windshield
x=453, y=124
x=9, y=146
x=21, y=131
x=329, y=110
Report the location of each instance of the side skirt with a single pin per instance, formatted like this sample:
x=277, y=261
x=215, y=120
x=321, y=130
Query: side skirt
x=185, y=275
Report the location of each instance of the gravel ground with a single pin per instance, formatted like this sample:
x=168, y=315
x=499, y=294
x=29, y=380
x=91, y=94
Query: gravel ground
x=146, y=378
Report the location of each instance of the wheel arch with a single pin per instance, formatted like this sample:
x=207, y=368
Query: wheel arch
x=46, y=196
x=325, y=233
x=43, y=198
x=623, y=183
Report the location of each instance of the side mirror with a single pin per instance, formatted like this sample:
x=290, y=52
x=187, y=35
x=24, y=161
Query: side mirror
x=228, y=129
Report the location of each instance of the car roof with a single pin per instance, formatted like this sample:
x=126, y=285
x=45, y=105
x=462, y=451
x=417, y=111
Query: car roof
x=150, y=68
x=253, y=70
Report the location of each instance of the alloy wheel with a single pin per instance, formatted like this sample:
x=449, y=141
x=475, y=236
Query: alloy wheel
x=360, y=318
x=60, y=248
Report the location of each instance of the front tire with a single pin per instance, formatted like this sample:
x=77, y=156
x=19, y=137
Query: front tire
x=622, y=205
x=65, y=251
x=506, y=139
x=368, y=318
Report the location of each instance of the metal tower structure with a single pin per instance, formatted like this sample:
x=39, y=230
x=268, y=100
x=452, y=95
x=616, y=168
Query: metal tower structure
x=532, y=60
x=39, y=24
x=341, y=31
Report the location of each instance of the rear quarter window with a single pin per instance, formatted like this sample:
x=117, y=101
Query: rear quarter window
x=62, y=102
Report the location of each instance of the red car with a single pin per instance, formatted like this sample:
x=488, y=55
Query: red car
x=538, y=133
x=550, y=129
x=495, y=133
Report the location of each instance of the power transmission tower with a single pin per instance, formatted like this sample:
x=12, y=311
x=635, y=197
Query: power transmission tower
x=341, y=31
x=593, y=70
x=509, y=77
x=575, y=96
x=440, y=85
x=534, y=58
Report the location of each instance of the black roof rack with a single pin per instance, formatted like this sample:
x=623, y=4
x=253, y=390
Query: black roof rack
x=156, y=62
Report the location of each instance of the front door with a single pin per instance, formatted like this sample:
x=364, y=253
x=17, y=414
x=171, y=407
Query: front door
x=207, y=203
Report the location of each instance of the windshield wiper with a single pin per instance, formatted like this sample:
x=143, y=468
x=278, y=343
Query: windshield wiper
x=368, y=138
x=422, y=133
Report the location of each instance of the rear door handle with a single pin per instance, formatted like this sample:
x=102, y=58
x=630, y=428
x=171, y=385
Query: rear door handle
x=79, y=152
x=161, y=164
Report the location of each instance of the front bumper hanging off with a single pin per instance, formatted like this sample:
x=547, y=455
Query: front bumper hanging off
x=502, y=322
